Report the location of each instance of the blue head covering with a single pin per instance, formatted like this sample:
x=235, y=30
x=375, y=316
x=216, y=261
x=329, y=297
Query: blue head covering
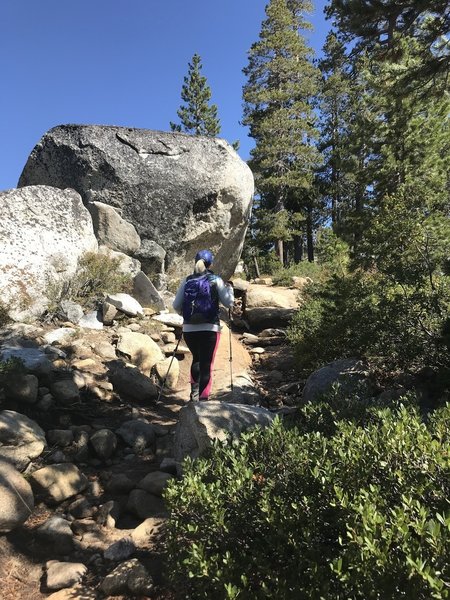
x=206, y=256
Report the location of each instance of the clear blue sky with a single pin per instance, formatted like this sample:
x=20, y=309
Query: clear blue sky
x=120, y=62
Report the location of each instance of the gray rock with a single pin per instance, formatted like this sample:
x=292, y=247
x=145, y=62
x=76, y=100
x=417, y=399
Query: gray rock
x=58, y=482
x=21, y=439
x=56, y=533
x=132, y=385
x=200, y=423
x=348, y=372
x=143, y=533
x=155, y=483
x=64, y=574
x=168, y=465
x=34, y=359
x=22, y=388
x=109, y=313
x=113, y=231
x=45, y=230
x=46, y=402
x=140, y=349
x=120, y=483
x=65, y=391
x=81, y=439
x=70, y=311
x=126, y=304
x=16, y=498
x=92, y=320
x=60, y=437
x=60, y=335
x=109, y=513
x=129, y=578
x=138, y=434
x=198, y=186
x=81, y=509
x=144, y=505
x=145, y=292
x=120, y=550
x=105, y=350
x=126, y=264
x=151, y=256
x=104, y=443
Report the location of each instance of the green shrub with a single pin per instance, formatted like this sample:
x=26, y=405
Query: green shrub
x=96, y=275
x=362, y=513
x=367, y=315
x=4, y=315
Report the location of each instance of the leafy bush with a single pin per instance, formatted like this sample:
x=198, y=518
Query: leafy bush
x=96, y=275
x=367, y=315
x=4, y=315
x=362, y=513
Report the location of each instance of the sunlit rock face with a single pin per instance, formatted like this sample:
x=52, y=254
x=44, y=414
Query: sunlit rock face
x=179, y=191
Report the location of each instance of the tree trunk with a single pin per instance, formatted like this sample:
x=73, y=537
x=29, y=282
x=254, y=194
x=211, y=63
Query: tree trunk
x=298, y=248
x=309, y=236
x=280, y=250
x=255, y=262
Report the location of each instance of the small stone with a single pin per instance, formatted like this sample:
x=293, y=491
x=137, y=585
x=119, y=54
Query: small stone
x=64, y=574
x=65, y=391
x=60, y=437
x=57, y=534
x=104, y=443
x=22, y=388
x=120, y=550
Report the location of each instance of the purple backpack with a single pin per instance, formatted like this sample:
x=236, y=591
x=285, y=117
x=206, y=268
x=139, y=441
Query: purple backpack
x=200, y=302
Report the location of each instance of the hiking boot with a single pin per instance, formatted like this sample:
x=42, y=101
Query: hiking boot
x=195, y=393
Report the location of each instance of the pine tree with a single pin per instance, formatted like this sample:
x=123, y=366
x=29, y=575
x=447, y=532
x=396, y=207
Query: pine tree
x=373, y=26
x=278, y=97
x=197, y=116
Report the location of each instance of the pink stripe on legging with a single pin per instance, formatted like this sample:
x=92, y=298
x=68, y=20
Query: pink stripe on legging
x=207, y=390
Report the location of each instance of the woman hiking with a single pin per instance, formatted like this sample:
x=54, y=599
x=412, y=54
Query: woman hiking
x=197, y=299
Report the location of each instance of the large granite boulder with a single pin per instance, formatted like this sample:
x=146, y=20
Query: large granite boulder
x=349, y=373
x=43, y=232
x=180, y=191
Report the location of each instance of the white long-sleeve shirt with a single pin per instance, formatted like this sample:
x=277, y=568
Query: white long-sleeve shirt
x=226, y=297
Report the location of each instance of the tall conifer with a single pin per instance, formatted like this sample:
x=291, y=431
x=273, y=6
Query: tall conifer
x=278, y=96
x=197, y=116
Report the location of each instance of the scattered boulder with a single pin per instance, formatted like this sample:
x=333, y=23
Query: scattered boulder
x=348, y=372
x=129, y=578
x=92, y=320
x=60, y=335
x=126, y=264
x=16, y=498
x=141, y=350
x=60, y=437
x=155, y=483
x=169, y=374
x=144, y=505
x=70, y=311
x=126, y=304
x=120, y=550
x=65, y=391
x=131, y=384
x=57, y=534
x=138, y=434
x=104, y=443
x=64, y=574
x=269, y=307
x=47, y=229
x=21, y=439
x=152, y=256
x=22, y=387
x=145, y=292
x=202, y=422
x=112, y=230
x=141, y=536
x=58, y=482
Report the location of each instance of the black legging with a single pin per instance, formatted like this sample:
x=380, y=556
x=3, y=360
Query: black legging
x=203, y=346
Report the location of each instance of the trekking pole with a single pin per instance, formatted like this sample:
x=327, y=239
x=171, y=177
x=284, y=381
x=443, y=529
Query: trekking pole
x=231, y=351
x=167, y=372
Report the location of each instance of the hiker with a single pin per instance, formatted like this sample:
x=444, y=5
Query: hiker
x=197, y=299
